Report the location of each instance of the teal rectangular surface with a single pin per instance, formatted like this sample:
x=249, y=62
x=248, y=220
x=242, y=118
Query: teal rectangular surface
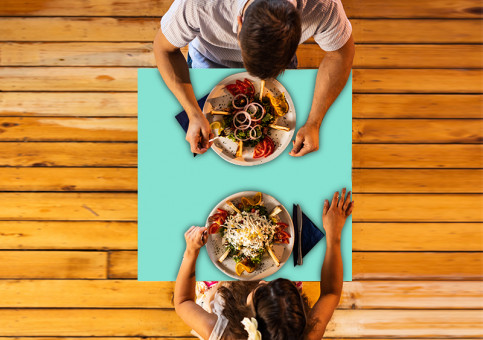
x=177, y=190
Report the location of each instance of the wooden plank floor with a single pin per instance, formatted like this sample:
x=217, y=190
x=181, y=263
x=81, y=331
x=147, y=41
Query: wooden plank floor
x=68, y=177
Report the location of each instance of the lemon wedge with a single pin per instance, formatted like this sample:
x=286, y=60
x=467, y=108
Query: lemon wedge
x=216, y=126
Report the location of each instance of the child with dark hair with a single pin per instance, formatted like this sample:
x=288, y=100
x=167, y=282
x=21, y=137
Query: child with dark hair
x=263, y=310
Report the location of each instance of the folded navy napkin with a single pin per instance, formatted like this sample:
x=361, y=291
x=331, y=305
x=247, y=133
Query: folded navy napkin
x=183, y=119
x=311, y=235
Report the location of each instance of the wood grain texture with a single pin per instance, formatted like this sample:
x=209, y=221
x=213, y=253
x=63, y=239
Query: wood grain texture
x=144, y=29
x=309, y=55
x=417, y=106
x=417, y=237
x=417, y=156
x=418, y=208
x=149, y=322
x=450, y=131
x=68, y=129
x=417, y=181
x=52, y=265
x=365, y=266
x=62, y=235
x=125, y=79
x=69, y=206
x=68, y=179
x=353, y=8
x=68, y=104
x=134, y=294
x=69, y=154
x=416, y=265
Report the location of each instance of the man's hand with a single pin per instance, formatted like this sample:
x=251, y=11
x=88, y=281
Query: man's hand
x=195, y=239
x=306, y=141
x=199, y=133
x=335, y=214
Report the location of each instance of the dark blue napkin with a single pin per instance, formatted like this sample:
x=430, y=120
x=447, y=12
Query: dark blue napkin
x=311, y=235
x=183, y=119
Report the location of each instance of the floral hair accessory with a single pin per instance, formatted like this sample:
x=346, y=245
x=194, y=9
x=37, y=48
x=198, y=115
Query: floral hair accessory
x=251, y=326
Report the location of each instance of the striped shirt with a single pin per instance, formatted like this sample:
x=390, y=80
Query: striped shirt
x=210, y=28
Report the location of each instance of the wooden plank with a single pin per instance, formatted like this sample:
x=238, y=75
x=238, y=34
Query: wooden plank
x=52, y=265
x=67, y=235
x=40, y=154
x=417, y=106
x=416, y=81
x=123, y=264
x=379, y=31
x=365, y=266
x=309, y=55
x=423, y=131
x=353, y=8
x=68, y=179
x=430, y=237
x=149, y=322
x=68, y=104
x=123, y=207
x=417, y=181
x=68, y=129
x=418, y=208
x=69, y=206
x=416, y=266
x=417, y=156
x=135, y=294
x=125, y=104
x=397, y=56
x=125, y=79
x=68, y=79
x=413, y=31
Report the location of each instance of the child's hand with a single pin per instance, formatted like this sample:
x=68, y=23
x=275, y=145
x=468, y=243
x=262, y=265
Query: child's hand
x=334, y=216
x=195, y=238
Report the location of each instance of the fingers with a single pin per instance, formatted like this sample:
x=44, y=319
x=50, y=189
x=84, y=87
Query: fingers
x=189, y=231
x=297, y=145
x=206, y=133
x=335, y=200
x=305, y=150
x=196, y=144
x=347, y=201
x=326, y=207
x=349, y=210
x=342, y=198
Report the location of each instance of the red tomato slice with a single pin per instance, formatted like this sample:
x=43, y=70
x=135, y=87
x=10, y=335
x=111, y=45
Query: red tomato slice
x=251, y=88
x=270, y=148
x=283, y=234
x=260, y=149
x=284, y=225
x=223, y=213
x=232, y=88
x=213, y=228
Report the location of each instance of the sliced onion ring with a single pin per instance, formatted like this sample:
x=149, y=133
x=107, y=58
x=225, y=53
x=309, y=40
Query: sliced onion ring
x=255, y=110
x=244, y=122
x=254, y=130
x=236, y=97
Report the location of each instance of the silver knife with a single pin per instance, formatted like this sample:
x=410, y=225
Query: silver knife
x=299, y=224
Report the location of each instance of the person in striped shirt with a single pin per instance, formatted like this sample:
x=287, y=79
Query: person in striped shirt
x=261, y=36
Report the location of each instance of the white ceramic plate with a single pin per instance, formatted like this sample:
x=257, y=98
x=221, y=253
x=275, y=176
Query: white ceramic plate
x=266, y=267
x=219, y=98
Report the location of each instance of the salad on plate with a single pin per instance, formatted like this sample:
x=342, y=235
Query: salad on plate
x=248, y=231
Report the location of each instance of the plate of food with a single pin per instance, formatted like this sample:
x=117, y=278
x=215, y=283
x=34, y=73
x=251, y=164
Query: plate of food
x=250, y=235
x=253, y=120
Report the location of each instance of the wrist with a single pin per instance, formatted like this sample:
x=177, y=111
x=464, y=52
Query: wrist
x=313, y=123
x=191, y=253
x=332, y=239
x=194, y=113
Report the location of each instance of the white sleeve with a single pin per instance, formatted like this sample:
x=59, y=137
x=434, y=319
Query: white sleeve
x=335, y=29
x=180, y=25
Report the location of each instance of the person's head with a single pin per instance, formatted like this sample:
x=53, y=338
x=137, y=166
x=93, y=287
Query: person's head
x=269, y=33
x=280, y=310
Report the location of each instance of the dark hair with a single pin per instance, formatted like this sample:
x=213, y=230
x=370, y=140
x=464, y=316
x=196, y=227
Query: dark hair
x=269, y=37
x=280, y=310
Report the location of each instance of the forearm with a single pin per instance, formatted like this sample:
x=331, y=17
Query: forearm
x=186, y=280
x=331, y=78
x=331, y=276
x=174, y=70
